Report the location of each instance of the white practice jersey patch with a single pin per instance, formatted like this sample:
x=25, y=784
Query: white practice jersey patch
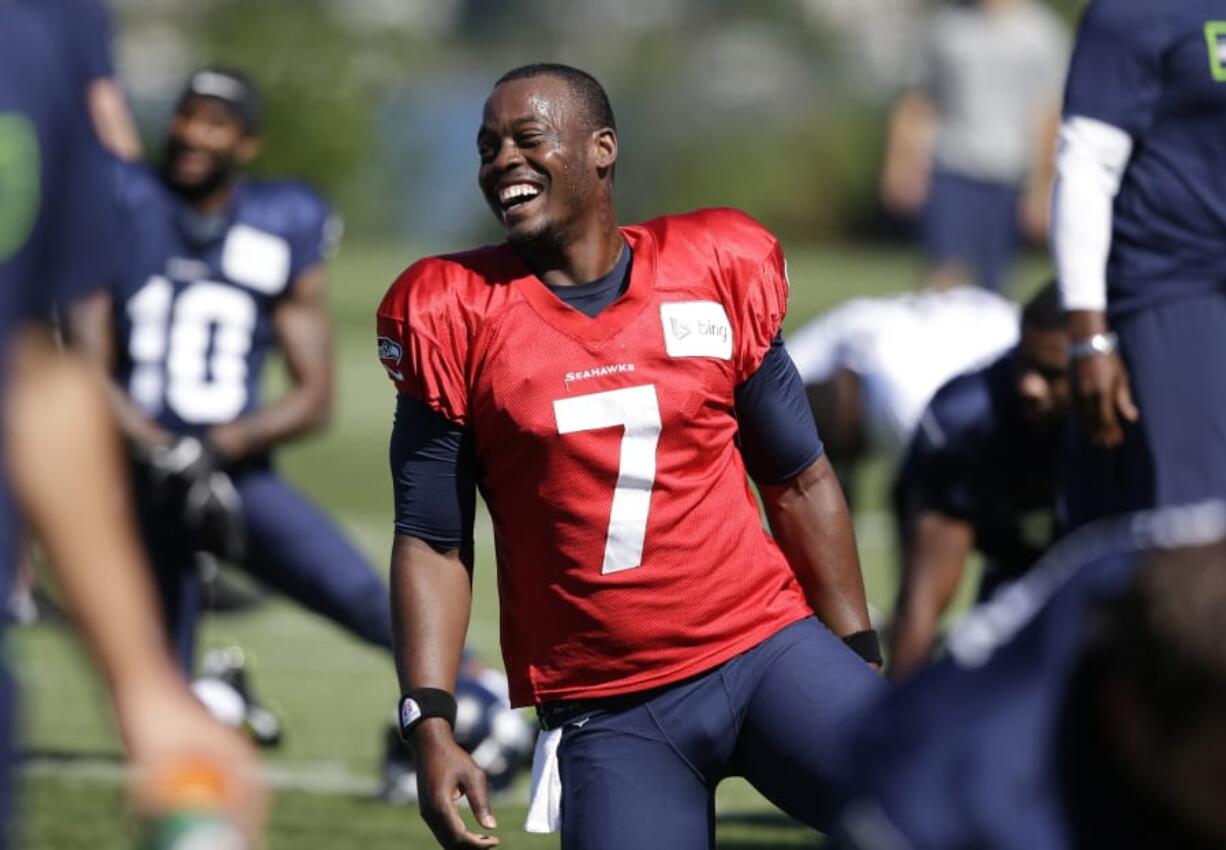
x=256, y=260
x=696, y=329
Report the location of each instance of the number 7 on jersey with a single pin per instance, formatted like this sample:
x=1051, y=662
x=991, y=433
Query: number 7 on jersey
x=637, y=409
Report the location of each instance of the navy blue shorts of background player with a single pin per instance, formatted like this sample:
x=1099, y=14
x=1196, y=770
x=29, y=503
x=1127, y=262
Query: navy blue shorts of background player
x=293, y=547
x=972, y=224
x=976, y=458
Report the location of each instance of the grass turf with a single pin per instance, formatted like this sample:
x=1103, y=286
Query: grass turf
x=334, y=693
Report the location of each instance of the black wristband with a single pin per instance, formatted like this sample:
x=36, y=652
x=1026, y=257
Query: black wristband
x=421, y=703
x=865, y=645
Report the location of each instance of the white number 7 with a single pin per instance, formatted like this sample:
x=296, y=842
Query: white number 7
x=637, y=409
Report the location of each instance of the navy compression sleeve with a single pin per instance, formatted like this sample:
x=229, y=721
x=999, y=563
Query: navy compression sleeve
x=776, y=431
x=432, y=476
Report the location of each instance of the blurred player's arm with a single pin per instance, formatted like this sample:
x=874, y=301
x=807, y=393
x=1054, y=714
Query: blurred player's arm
x=936, y=549
x=63, y=457
x=800, y=492
x=1089, y=166
x=89, y=28
x=108, y=111
x=906, y=170
x=1034, y=213
x=304, y=335
x=431, y=586
x=89, y=328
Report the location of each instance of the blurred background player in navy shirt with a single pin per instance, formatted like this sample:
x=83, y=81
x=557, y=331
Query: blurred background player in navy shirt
x=1140, y=239
x=61, y=452
x=980, y=475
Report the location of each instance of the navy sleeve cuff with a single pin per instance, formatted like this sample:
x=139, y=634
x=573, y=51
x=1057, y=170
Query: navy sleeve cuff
x=777, y=436
x=432, y=476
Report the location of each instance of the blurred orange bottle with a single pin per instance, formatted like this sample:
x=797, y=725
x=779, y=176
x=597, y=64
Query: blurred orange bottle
x=188, y=811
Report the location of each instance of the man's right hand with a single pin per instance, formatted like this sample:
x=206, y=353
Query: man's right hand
x=165, y=728
x=444, y=774
x=1100, y=384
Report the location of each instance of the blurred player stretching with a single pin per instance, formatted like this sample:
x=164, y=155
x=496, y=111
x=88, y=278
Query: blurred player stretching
x=216, y=273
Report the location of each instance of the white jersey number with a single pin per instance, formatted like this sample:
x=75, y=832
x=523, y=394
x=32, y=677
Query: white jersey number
x=637, y=409
x=191, y=350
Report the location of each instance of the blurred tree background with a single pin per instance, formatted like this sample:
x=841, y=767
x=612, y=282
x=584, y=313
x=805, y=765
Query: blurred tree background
x=776, y=106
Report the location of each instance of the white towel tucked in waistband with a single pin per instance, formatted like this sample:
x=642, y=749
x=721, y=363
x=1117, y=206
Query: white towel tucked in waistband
x=544, y=809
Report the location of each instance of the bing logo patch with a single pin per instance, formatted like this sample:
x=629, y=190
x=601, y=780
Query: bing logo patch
x=1215, y=38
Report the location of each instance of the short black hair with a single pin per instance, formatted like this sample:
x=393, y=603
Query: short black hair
x=584, y=86
x=1044, y=311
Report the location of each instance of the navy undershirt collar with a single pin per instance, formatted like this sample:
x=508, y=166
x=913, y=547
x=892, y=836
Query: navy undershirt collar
x=593, y=297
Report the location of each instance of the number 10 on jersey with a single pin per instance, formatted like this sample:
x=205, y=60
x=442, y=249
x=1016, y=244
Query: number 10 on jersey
x=637, y=409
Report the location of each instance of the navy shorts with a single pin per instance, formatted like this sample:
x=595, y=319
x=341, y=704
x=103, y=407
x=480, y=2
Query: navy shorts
x=1176, y=453
x=971, y=223
x=642, y=772
x=293, y=547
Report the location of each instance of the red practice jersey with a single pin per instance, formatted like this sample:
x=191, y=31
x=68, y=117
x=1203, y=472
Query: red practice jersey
x=629, y=545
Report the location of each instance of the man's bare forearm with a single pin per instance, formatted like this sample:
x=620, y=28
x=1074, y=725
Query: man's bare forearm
x=431, y=602
x=64, y=459
x=302, y=411
x=809, y=518
x=937, y=548
x=304, y=335
x=89, y=328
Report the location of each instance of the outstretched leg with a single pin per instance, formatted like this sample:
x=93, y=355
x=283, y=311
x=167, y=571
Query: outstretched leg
x=805, y=703
x=296, y=549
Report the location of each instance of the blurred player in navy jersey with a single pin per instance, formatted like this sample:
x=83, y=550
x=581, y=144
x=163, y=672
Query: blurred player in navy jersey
x=1082, y=708
x=608, y=389
x=980, y=475
x=1140, y=238
x=217, y=271
x=56, y=238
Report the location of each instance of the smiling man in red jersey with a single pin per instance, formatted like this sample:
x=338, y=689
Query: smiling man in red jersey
x=608, y=389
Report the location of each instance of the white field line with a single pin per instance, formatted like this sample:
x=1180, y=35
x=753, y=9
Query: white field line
x=315, y=777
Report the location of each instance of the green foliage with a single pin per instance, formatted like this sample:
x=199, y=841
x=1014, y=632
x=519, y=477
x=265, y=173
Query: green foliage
x=782, y=174
x=317, y=110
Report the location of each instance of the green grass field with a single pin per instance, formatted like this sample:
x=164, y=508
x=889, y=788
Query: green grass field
x=333, y=693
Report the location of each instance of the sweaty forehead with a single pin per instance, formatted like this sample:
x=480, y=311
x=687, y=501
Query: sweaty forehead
x=545, y=98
